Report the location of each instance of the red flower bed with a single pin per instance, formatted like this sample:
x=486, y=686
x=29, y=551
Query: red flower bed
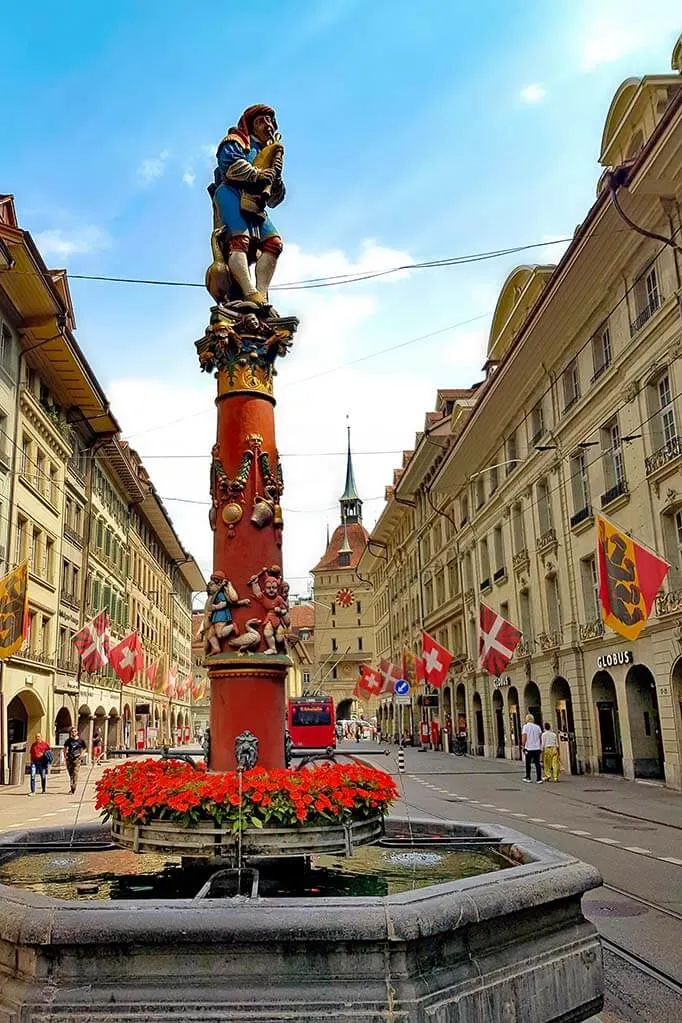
x=142, y=791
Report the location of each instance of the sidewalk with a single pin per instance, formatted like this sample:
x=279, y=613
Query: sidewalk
x=56, y=806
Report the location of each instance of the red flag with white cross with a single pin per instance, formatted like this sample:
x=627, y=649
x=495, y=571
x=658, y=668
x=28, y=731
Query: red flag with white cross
x=127, y=658
x=92, y=642
x=497, y=641
x=370, y=681
x=437, y=661
x=390, y=673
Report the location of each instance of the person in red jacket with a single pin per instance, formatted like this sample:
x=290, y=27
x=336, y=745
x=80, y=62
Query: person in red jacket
x=38, y=761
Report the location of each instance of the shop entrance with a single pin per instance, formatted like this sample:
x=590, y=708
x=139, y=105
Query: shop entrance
x=498, y=711
x=560, y=696
x=514, y=722
x=531, y=698
x=608, y=725
x=645, y=725
x=480, y=730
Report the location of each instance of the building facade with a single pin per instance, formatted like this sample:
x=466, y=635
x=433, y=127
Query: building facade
x=579, y=414
x=343, y=634
x=70, y=497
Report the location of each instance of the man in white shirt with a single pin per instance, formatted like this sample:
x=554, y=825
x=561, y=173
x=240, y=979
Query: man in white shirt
x=531, y=743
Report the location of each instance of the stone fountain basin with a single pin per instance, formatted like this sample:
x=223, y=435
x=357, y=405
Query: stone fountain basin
x=507, y=947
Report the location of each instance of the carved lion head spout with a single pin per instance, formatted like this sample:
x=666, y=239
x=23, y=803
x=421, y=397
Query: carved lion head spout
x=246, y=750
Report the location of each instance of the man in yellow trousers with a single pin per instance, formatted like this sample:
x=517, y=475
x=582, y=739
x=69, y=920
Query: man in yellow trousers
x=550, y=754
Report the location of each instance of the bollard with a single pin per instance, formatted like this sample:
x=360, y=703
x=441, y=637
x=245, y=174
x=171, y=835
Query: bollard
x=401, y=761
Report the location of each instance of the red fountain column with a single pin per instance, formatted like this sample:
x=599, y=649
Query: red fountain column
x=246, y=655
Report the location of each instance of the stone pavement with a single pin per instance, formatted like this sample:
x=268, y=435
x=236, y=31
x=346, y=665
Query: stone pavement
x=56, y=806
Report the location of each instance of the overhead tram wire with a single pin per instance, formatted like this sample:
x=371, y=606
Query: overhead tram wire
x=333, y=280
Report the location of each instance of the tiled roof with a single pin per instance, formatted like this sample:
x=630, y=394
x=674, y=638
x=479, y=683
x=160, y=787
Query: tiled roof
x=357, y=539
x=302, y=617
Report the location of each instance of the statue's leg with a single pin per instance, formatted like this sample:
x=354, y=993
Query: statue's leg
x=238, y=263
x=270, y=251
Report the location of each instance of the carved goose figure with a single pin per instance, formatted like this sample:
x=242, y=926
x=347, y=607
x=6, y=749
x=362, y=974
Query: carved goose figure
x=248, y=639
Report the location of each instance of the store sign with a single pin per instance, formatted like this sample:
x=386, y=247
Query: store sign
x=430, y=700
x=620, y=657
x=502, y=680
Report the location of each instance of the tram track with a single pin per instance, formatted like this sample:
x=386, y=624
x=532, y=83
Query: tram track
x=640, y=964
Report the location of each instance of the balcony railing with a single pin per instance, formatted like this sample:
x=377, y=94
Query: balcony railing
x=69, y=665
x=612, y=493
x=547, y=540
x=550, y=640
x=524, y=648
x=646, y=314
x=470, y=665
x=73, y=535
x=669, y=603
x=70, y=598
x=592, y=630
x=521, y=561
x=581, y=516
x=669, y=451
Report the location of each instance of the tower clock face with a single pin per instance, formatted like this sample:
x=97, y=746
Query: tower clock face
x=345, y=597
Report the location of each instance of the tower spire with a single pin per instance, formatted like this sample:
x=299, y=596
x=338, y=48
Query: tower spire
x=351, y=505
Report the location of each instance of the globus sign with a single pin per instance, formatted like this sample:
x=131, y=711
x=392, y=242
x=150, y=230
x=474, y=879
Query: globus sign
x=615, y=659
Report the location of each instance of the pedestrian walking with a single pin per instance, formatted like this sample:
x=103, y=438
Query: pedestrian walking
x=531, y=742
x=39, y=761
x=551, y=764
x=73, y=751
x=96, y=746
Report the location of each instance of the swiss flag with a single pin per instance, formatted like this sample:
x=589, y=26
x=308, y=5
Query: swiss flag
x=359, y=693
x=127, y=658
x=390, y=674
x=92, y=642
x=436, y=659
x=497, y=641
x=371, y=681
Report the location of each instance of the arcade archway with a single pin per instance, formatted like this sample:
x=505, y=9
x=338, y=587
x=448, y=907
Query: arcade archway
x=532, y=702
x=479, y=727
x=645, y=725
x=498, y=715
x=605, y=705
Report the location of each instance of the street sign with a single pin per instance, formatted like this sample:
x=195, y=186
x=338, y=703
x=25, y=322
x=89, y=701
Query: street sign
x=403, y=701
x=401, y=687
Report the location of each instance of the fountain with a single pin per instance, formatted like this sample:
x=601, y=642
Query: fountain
x=255, y=918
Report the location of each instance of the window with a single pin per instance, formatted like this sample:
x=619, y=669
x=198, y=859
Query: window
x=468, y=571
x=612, y=458
x=453, y=578
x=498, y=549
x=36, y=560
x=463, y=509
x=511, y=452
x=48, y=561
x=6, y=349
x=553, y=604
x=333, y=608
x=666, y=429
x=480, y=492
x=333, y=643
x=40, y=477
x=306, y=678
x=579, y=484
x=590, y=584
x=359, y=607
x=647, y=298
x=45, y=651
x=359, y=642
x=518, y=531
x=537, y=423
x=485, y=563
x=4, y=437
x=571, y=382
x=544, y=507
x=526, y=617
x=25, y=457
x=601, y=351
x=20, y=544
x=440, y=588
x=54, y=485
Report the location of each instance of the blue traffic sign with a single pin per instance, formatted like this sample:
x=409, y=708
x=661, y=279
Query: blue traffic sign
x=402, y=687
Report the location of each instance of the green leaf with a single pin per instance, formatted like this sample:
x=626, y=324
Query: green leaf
x=256, y=822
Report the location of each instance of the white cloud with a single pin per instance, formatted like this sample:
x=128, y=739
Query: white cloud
x=189, y=177
x=153, y=167
x=610, y=30
x=533, y=93
x=311, y=413
x=58, y=242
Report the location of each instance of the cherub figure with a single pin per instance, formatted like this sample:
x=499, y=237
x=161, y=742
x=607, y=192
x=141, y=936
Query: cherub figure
x=266, y=587
x=217, y=622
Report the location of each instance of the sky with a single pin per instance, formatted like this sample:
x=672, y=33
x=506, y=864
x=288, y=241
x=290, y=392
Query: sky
x=412, y=132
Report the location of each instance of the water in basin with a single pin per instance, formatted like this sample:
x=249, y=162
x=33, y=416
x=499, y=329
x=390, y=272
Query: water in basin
x=119, y=874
